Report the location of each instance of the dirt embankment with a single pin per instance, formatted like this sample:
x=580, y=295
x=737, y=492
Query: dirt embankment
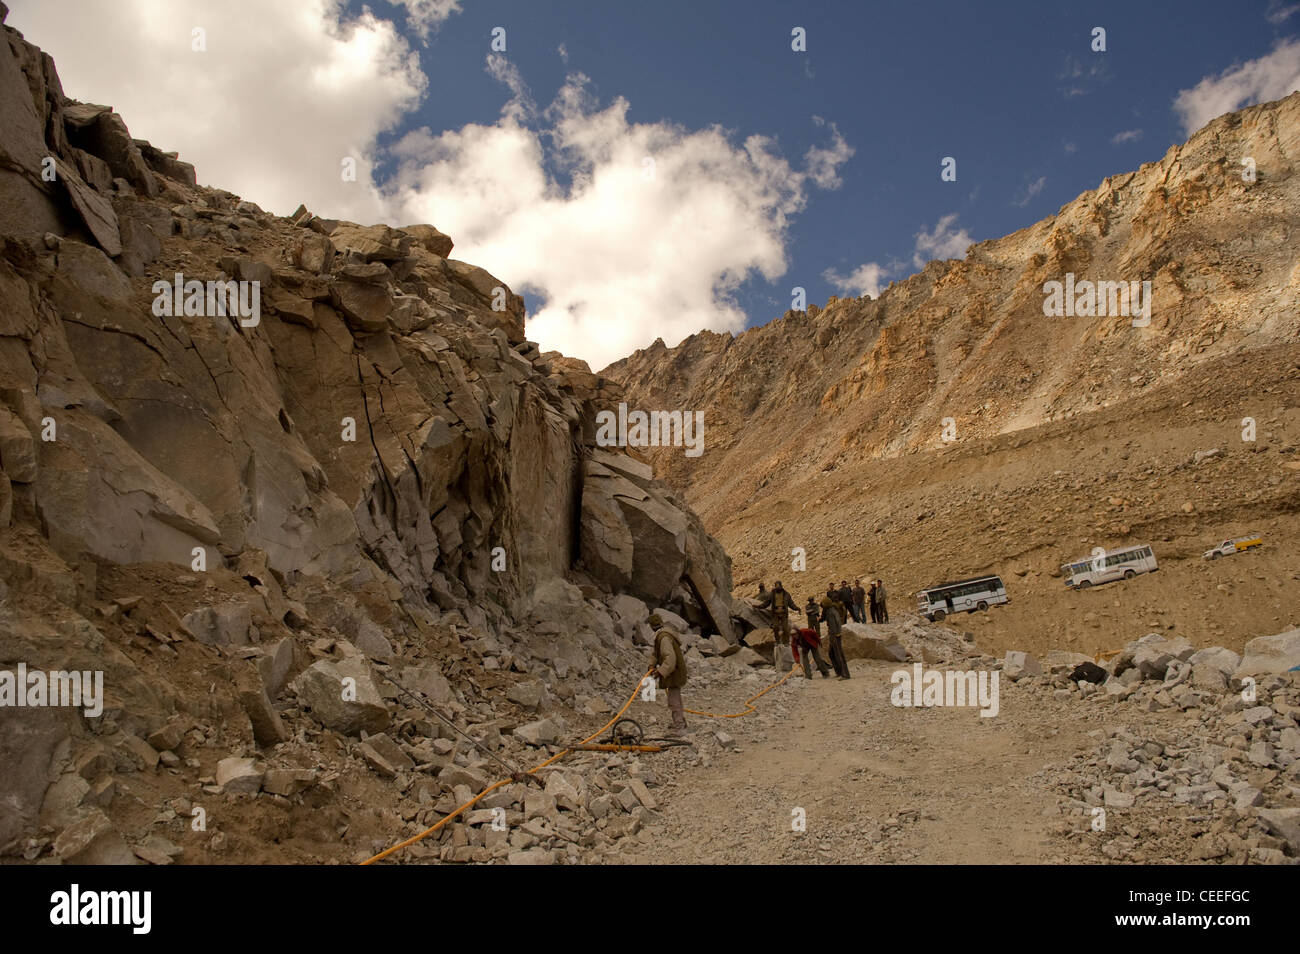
x=1022, y=504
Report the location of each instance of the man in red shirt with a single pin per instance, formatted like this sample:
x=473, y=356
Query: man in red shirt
x=804, y=642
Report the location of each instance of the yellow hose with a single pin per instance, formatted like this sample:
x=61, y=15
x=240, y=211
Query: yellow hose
x=561, y=754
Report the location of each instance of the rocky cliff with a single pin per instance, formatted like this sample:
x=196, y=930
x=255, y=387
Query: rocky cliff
x=230, y=440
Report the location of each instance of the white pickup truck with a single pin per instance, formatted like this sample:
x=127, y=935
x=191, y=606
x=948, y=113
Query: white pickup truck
x=1229, y=547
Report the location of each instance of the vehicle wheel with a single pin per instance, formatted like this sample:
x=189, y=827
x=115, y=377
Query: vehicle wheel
x=1129, y=574
x=938, y=615
x=1214, y=556
x=1084, y=585
x=981, y=605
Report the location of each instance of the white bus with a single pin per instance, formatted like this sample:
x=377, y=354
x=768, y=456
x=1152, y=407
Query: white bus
x=977, y=593
x=1104, y=566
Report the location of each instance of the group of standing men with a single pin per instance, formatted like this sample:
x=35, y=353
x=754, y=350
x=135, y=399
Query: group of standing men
x=861, y=601
x=834, y=609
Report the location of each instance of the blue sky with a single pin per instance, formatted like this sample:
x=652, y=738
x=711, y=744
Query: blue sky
x=1012, y=90
x=486, y=146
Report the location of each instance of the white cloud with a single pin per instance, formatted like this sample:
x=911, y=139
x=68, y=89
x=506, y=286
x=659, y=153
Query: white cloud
x=866, y=279
x=553, y=202
x=423, y=16
x=520, y=107
x=942, y=242
x=1128, y=135
x=1279, y=12
x=823, y=162
x=282, y=94
x=1080, y=78
x=1270, y=77
x=1031, y=190
x=624, y=251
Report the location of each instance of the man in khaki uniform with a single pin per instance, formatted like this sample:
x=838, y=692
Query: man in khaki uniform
x=781, y=603
x=670, y=672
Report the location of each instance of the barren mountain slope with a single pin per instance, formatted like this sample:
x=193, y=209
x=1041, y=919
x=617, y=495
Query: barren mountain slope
x=825, y=429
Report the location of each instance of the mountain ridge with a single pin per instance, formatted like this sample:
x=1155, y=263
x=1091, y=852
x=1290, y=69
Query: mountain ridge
x=963, y=350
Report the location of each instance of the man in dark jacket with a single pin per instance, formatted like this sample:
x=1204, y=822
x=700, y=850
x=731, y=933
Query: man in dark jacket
x=832, y=609
x=845, y=595
x=813, y=612
x=859, y=605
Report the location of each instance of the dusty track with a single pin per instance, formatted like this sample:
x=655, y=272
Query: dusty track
x=878, y=783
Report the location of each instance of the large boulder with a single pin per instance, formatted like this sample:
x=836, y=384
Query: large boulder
x=1017, y=665
x=33, y=743
x=860, y=641
x=1216, y=657
x=430, y=239
x=746, y=617
x=240, y=775
x=342, y=696
x=364, y=304
x=1270, y=654
x=634, y=535
x=93, y=840
x=1153, y=653
x=1285, y=824
x=373, y=243
x=225, y=624
x=762, y=640
x=629, y=610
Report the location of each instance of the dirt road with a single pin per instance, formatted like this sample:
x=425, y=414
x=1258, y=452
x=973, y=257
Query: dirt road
x=876, y=783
